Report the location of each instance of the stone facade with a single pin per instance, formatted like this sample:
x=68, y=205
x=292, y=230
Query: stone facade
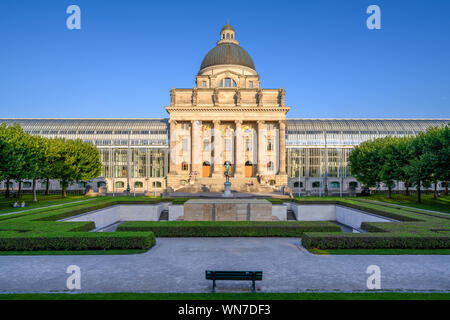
x=227, y=117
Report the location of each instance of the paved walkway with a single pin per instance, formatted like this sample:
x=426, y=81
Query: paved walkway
x=178, y=265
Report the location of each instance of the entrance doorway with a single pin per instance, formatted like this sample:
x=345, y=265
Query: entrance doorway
x=206, y=169
x=248, y=172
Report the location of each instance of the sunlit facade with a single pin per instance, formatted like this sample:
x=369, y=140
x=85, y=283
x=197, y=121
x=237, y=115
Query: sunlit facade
x=227, y=120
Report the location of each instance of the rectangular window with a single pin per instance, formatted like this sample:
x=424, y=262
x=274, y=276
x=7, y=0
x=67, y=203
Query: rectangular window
x=227, y=145
x=185, y=144
x=250, y=84
x=248, y=144
x=206, y=145
x=204, y=84
x=269, y=145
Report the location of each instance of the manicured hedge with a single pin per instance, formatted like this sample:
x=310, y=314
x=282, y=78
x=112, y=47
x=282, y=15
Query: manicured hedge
x=228, y=229
x=374, y=241
x=26, y=241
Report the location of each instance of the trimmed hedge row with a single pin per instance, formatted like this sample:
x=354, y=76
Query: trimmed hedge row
x=27, y=241
x=374, y=241
x=228, y=229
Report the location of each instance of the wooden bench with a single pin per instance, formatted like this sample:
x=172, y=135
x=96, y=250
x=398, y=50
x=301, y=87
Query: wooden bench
x=233, y=275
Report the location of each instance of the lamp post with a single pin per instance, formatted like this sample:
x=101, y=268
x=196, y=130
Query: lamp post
x=128, y=164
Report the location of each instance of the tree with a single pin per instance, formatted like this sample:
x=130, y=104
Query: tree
x=441, y=148
x=365, y=164
x=38, y=162
x=420, y=166
x=13, y=155
x=74, y=160
x=389, y=170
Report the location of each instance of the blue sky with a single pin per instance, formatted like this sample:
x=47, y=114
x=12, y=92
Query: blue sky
x=129, y=54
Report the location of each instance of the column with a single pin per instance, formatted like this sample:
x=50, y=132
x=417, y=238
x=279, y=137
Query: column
x=173, y=147
x=282, y=148
x=261, y=147
x=218, y=163
x=239, y=150
x=196, y=149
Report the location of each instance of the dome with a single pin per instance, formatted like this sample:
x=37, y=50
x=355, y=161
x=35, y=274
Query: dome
x=227, y=53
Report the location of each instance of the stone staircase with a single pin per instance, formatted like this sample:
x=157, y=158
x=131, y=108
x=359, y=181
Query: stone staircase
x=240, y=184
x=164, y=216
x=291, y=216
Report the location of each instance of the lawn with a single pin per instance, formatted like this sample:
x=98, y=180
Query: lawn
x=441, y=203
x=230, y=296
x=6, y=204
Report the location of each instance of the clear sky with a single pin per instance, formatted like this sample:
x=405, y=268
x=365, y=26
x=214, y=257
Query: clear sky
x=129, y=54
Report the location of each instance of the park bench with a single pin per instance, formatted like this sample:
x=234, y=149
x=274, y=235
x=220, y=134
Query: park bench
x=233, y=275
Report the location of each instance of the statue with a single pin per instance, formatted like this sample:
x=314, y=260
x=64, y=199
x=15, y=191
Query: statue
x=238, y=97
x=216, y=96
x=227, y=184
x=227, y=170
x=259, y=96
x=282, y=93
x=194, y=97
x=172, y=97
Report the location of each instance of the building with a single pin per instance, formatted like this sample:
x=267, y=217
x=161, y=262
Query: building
x=226, y=117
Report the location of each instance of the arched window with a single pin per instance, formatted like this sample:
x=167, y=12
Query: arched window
x=248, y=163
x=231, y=36
x=157, y=184
x=185, y=166
x=120, y=184
x=228, y=36
x=353, y=185
x=335, y=185
x=206, y=163
x=316, y=184
x=272, y=182
x=227, y=83
x=138, y=184
x=270, y=166
x=296, y=184
x=82, y=184
x=101, y=184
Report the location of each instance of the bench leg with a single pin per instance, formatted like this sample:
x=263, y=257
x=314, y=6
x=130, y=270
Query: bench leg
x=253, y=286
x=214, y=286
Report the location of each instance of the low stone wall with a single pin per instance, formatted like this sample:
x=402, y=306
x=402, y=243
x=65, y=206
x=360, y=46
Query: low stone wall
x=114, y=214
x=347, y=216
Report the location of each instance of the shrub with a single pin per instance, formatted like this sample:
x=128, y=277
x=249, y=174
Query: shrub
x=26, y=241
x=375, y=241
x=228, y=229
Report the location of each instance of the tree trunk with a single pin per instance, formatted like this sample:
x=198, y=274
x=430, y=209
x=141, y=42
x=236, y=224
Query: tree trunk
x=47, y=187
x=407, y=188
x=7, y=189
x=19, y=192
x=389, y=192
x=419, y=200
x=63, y=189
x=435, y=190
x=446, y=188
x=34, y=191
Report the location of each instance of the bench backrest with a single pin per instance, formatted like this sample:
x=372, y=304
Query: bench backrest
x=233, y=275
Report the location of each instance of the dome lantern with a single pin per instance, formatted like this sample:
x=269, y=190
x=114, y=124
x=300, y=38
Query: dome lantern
x=227, y=34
